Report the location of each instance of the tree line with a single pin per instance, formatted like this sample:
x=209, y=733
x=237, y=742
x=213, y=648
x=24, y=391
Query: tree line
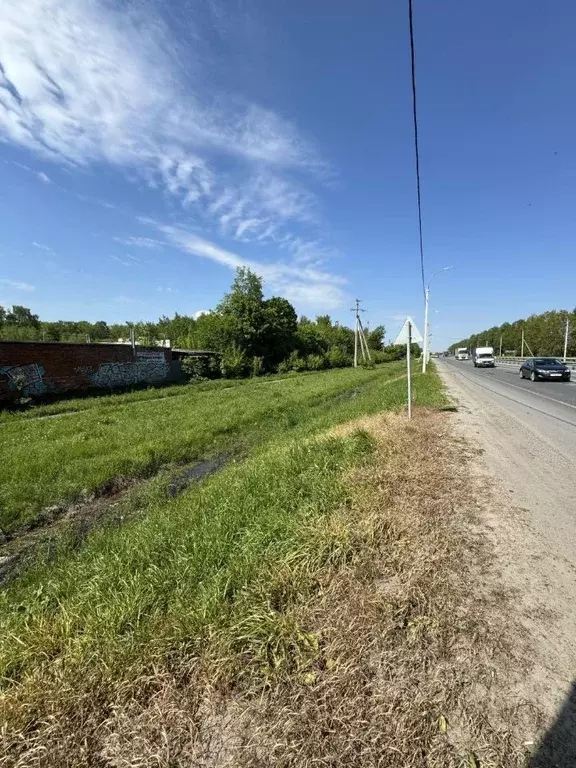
x=252, y=335
x=543, y=335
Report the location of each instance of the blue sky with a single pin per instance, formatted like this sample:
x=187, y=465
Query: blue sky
x=147, y=149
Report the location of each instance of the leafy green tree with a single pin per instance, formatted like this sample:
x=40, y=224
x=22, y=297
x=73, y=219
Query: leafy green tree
x=375, y=338
x=244, y=307
x=278, y=337
x=22, y=316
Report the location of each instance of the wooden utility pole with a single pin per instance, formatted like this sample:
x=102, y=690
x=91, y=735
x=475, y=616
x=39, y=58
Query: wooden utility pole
x=359, y=335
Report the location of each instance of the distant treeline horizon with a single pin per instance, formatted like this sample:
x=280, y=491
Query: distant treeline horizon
x=544, y=334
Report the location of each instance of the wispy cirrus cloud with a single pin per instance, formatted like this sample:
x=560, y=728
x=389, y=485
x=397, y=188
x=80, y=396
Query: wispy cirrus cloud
x=86, y=82
x=106, y=85
x=140, y=242
x=18, y=285
x=127, y=260
x=40, y=175
x=301, y=283
x=43, y=247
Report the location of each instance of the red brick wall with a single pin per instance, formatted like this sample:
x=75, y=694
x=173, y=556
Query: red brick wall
x=54, y=367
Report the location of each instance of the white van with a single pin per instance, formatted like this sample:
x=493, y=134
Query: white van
x=484, y=357
x=462, y=353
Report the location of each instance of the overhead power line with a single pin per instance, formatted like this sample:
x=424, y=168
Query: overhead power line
x=416, y=150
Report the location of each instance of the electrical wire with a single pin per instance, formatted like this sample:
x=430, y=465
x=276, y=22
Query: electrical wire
x=416, y=150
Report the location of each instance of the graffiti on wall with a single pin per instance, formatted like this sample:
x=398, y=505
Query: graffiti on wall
x=28, y=378
x=148, y=367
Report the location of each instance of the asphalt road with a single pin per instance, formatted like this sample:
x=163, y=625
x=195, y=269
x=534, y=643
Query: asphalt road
x=556, y=399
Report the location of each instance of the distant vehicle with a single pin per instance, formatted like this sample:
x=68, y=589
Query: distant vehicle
x=547, y=368
x=462, y=353
x=484, y=357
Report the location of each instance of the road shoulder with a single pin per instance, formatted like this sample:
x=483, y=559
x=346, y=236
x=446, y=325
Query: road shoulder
x=523, y=479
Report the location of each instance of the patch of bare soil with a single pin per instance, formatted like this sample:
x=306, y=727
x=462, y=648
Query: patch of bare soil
x=420, y=654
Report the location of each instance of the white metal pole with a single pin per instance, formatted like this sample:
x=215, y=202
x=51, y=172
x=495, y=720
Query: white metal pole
x=566, y=338
x=425, y=355
x=408, y=350
x=522, y=351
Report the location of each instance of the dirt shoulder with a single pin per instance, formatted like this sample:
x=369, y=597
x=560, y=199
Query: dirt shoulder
x=524, y=479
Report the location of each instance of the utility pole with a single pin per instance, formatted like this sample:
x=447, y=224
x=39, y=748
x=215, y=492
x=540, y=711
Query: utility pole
x=426, y=328
x=426, y=341
x=408, y=350
x=522, y=352
x=566, y=338
x=358, y=334
x=500, y=345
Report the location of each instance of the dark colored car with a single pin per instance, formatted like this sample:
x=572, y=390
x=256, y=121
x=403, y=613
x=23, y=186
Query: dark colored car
x=548, y=368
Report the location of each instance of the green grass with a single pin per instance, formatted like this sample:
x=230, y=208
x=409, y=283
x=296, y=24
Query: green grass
x=114, y=399
x=49, y=461
x=212, y=574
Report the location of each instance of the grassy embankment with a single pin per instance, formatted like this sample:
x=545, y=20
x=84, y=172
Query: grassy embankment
x=48, y=461
x=147, y=645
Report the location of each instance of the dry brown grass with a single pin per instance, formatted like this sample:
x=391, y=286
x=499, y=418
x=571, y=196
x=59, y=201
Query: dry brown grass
x=413, y=661
x=405, y=662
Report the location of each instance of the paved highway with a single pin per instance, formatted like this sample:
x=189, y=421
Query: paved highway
x=555, y=398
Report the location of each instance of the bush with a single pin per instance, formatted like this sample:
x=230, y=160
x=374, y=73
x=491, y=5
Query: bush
x=257, y=366
x=338, y=358
x=296, y=362
x=315, y=362
x=194, y=368
x=390, y=354
x=284, y=366
x=234, y=364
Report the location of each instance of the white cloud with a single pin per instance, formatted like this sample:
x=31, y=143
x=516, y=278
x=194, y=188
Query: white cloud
x=166, y=289
x=18, y=285
x=262, y=206
x=43, y=247
x=200, y=313
x=39, y=174
x=87, y=82
x=301, y=283
x=121, y=261
x=140, y=242
x=127, y=260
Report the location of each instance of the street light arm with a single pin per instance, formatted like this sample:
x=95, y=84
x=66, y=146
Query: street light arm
x=444, y=269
